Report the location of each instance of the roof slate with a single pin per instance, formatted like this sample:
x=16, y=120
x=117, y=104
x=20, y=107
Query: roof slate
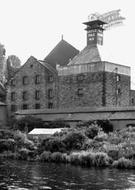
x=87, y=55
x=61, y=54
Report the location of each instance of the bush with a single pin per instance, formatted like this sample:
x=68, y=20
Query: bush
x=7, y=144
x=5, y=134
x=74, y=140
x=22, y=140
x=24, y=154
x=45, y=156
x=123, y=163
x=105, y=125
x=84, y=158
x=57, y=157
x=53, y=144
x=58, y=123
x=28, y=123
x=92, y=131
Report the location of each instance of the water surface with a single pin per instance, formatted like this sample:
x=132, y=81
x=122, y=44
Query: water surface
x=21, y=175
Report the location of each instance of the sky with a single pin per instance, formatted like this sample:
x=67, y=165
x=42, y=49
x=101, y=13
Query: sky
x=34, y=27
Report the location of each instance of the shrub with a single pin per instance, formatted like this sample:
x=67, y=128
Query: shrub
x=57, y=157
x=85, y=158
x=28, y=123
x=7, y=144
x=22, y=140
x=45, y=156
x=24, y=154
x=74, y=140
x=5, y=134
x=105, y=125
x=101, y=159
x=53, y=144
x=58, y=123
x=92, y=131
x=123, y=163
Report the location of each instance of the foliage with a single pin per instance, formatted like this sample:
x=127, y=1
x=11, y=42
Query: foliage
x=7, y=144
x=45, y=156
x=123, y=163
x=74, y=140
x=92, y=131
x=28, y=123
x=105, y=125
x=53, y=144
x=85, y=158
x=58, y=123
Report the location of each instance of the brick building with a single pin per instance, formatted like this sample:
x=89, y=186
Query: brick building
x=67, y=78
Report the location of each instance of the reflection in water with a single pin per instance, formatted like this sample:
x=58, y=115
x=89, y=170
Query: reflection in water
x=19, y=175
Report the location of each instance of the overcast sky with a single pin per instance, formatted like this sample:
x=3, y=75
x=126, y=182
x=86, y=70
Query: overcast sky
x=34, y=27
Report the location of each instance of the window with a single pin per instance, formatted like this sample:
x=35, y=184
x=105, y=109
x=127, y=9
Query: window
x=132, y=101
x=13, y=108
x=80, y=77
x=118, y=91
x=13, y=82
x=12, y=96
x=50, y=93
x=25, y=106
x=37, y=79
x=37, y=106
x=50, y=105
x=25, y=95
x=37, y=94
x=80, y=92
x=118, y=78
x=50, y=78
x=25, y=80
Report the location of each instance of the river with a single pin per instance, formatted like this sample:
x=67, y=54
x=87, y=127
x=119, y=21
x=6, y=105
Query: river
x=21, y=175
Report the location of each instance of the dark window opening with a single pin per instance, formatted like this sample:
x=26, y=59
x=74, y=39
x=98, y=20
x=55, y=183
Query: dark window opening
x=37, y=79
x=37, y=106
x=37, y=94
x=80, y=92
x=12, y=96
x=132, y=101
x=13, y=108
x=13, y=82
x=50, y=105
x=80, y=77
x=50, y=78
x=25, y=106
x=25, y=95
x=50, y=93
x=25, y=80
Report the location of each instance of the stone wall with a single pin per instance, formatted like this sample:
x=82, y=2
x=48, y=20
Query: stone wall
x=99, y=89
x=30, y=69
x=132, y=98
x=117, y=88
x=89, y=84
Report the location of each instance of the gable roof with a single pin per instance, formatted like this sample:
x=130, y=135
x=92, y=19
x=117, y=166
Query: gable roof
x=88, y=55
x=42, y=63
x=61, y=54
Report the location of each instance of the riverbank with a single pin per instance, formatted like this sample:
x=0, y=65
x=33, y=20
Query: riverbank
x=87, y=146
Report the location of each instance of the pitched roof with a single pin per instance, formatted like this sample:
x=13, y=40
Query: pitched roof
x=87, y=55
x=43, y=63
x=38, y=131
x=61, y=54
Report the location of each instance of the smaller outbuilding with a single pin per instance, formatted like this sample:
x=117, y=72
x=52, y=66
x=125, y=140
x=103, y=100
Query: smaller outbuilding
x=43, y=132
